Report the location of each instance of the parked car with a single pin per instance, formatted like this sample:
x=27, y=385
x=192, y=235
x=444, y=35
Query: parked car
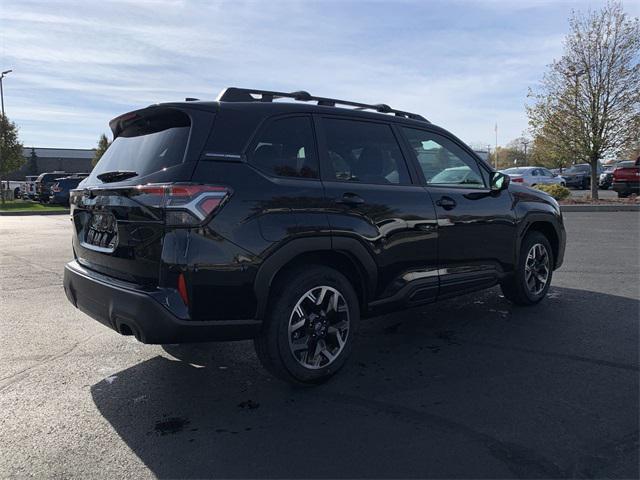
x=286, y=222
x=606, y=177
x=29, y=190
x=579, y=176
x=533, y=176
x=626, y=179
x=61, y=188
x=11, y=186
x=44, y=182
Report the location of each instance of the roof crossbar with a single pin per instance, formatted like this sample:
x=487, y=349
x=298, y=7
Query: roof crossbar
x=234, y=94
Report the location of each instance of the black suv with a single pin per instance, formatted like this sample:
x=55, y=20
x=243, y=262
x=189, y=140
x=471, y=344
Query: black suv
x=288, y=221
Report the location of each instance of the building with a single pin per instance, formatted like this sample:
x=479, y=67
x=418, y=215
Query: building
x=71, y=160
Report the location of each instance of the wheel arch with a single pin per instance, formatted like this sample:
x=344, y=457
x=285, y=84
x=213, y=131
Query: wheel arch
x=545, y=224
x=347, y=256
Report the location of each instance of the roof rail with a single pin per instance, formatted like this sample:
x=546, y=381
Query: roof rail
x=234, y=94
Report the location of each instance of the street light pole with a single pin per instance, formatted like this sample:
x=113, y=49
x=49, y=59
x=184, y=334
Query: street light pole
x=525, y=143
x=2, y=75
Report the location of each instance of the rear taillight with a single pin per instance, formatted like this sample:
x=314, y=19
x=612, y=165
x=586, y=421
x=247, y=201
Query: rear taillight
x=185, y=205
x=56, y=188
x=518, y=180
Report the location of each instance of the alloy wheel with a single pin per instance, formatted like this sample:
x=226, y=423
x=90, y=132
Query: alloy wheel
x=536, y=269
x=318, y=327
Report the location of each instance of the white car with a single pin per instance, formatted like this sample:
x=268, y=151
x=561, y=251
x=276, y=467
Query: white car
x=533, y=176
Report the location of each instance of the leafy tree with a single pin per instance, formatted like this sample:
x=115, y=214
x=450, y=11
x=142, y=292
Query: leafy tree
x=550, y=150
x=632, y=150
x=10, y=151
x=589, y=99
x=103, y=144
x=32, y=163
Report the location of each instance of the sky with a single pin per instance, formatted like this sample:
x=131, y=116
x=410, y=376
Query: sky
x=464, y=65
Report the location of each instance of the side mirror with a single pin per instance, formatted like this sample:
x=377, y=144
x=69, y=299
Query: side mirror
x=499, y=181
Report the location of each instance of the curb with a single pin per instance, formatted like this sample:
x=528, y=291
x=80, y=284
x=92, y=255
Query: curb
x=600, y=208
x=28, y=214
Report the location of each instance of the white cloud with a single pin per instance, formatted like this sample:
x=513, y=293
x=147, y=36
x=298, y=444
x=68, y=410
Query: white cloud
x=77, y=64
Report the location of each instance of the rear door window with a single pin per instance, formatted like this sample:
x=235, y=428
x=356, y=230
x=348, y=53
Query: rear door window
x=364, y=152
x=286, y=148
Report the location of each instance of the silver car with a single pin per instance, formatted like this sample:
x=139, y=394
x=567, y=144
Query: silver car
x=534, y=176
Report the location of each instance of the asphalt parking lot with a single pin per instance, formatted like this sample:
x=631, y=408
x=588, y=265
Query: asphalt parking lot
x=471, y=387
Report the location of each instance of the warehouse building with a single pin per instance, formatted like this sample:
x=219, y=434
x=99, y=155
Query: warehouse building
x=72, y=160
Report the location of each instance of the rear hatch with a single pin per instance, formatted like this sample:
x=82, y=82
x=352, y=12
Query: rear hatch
x=119, y=211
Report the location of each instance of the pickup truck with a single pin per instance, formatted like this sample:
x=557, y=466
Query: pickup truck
x=626, y=179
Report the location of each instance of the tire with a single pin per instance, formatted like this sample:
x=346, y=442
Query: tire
x=518, y=287
x=623, y=194
x=294, y=300
x=585, y=184
x=562, y=184
x=604, y=187
x=533, y=185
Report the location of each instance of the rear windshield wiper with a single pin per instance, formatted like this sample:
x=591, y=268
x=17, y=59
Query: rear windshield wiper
x=116, y=175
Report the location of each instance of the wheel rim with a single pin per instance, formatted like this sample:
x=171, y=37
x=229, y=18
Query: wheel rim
x=536, y=269
x=318, y=327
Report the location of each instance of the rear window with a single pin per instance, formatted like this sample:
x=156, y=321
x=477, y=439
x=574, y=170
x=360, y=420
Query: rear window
x=148, y=144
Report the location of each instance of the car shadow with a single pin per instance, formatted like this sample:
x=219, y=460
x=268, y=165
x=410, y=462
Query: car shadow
x=471, y=387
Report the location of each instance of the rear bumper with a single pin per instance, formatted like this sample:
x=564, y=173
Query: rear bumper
x=153, y=316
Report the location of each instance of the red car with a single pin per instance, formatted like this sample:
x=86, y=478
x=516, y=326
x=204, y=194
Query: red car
x=626, y=180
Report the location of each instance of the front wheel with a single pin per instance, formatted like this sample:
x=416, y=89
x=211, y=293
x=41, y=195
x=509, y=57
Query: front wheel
x=532, y=277
x=310, y=327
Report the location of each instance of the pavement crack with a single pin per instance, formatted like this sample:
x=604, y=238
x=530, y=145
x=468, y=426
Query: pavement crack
x=17, y=376
x=578, y=358
x=520, y=460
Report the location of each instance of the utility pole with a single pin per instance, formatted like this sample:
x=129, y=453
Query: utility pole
x=2, y=75
x=525, y=143
x=2, y=121
x=496, y=150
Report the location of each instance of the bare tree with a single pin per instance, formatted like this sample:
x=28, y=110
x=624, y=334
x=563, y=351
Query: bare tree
x=589, y=99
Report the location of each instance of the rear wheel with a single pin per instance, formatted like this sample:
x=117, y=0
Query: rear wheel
x=585, y=184
x=623, y=194
x=531, y=280
x=310, y=326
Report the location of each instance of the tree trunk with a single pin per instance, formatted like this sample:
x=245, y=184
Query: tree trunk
x=594, y=179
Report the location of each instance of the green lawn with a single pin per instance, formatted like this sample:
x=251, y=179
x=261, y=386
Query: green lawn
x=28, y=206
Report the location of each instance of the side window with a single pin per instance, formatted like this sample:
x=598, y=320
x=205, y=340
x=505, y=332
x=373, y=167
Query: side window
x=442, y=161
x=286, y=149
x=363, y=152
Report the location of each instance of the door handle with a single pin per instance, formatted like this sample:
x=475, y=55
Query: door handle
x=446, y=202
x=425, y=227
x=350, y=199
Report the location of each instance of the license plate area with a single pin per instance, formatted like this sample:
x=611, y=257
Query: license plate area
x=102, y=233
